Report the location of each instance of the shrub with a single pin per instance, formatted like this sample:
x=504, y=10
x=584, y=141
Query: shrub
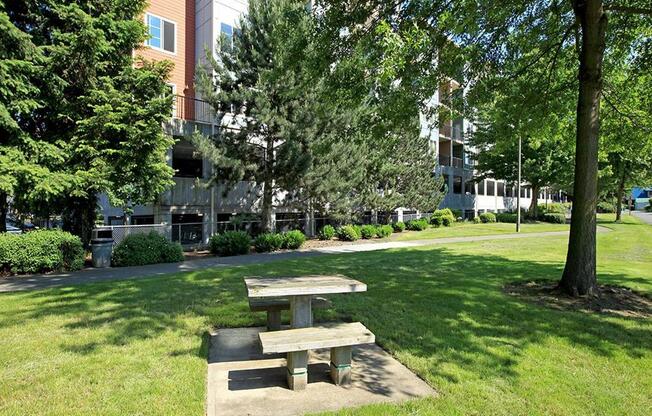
x=488, y=217
x=293, y=240
x=268, y=242
x=347, y=233
x=457, y=213
x=506, y=217
x=417, y=225
x=476, y=220
x=606, y=207
x=368, y=231
x=443, y=217
x=384, y=231
x=398, y=226
x=327, y=233
x=230, y=243
x=40, y=252
x=141, y=249
x=553, y=208
x=555, y=218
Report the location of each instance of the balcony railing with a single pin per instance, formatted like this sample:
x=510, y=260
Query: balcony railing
x=193, y=109
x=445, y=129
x=444, y=160
x=458, y=163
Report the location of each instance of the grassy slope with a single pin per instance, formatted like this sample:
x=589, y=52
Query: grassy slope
x=469, y=229
x=139, y=347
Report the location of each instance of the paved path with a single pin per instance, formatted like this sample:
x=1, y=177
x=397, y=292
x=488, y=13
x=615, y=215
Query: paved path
x=644, y=216
x=91, y=275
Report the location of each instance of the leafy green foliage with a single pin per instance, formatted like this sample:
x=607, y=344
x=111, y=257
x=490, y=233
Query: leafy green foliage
x=398, y=226
x=368, y=231
x=486, y=217
x=293, y=240
x=268, y=242
x=506, y=217
x=141, y=249
x=606, y=207
x=348, y=233
x=417, y=225
x=384, y=231
x=476, y=220
x=555, y=218
x=443, y=217
x=230, y=243
x=40, y=252
x=327, y=232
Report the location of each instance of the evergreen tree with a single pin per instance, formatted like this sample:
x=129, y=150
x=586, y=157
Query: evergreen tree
x=258, y=85
x=101, y=109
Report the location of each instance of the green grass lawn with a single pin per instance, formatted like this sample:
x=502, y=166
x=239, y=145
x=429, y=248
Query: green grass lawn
x=468, y=229
x=139, y=347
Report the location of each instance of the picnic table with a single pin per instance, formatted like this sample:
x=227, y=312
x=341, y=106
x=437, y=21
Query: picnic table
x=303, y=336
x=300, y=290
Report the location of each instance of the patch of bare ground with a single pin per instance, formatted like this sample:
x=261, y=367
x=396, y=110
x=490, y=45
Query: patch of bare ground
x=613, y=300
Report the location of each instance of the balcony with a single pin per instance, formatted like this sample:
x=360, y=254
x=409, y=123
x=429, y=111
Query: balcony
x=446, y=129
x=458, y=163
x=193, y=109
x=444, y=160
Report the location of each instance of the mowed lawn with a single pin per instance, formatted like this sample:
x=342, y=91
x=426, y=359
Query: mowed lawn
x=139, y=347
x=468, y=229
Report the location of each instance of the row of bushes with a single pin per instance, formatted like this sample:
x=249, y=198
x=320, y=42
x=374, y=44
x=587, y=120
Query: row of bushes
x=356, y=232
x=509, y=217
x=233, y=243
x=40, y=252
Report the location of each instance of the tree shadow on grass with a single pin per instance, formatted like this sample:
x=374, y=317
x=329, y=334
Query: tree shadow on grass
x=431, y=303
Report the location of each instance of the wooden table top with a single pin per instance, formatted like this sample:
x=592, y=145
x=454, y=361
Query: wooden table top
x=262, y=287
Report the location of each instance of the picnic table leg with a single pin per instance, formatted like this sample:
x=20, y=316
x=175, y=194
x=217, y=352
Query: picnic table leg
x=297, y=365
x=341, y=365
x=301, y=311
x=274, y=320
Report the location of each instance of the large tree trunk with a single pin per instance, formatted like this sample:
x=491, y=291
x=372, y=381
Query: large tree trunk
x=579, y=277
x=3, y=212
x=534, y=203
x=621, y=190
x=268, y=184
x=79, y=218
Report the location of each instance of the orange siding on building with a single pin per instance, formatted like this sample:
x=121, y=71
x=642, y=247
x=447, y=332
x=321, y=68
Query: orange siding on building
x=182, y=13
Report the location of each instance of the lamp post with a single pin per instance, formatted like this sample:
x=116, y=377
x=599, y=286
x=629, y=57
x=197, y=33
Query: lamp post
x=518, y=187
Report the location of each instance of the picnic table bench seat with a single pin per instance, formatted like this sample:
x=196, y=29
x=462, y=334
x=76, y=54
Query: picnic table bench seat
x=274, y=306
x=296, y=343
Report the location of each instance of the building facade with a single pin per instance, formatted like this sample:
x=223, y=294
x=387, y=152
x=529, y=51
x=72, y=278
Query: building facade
x=183, y=31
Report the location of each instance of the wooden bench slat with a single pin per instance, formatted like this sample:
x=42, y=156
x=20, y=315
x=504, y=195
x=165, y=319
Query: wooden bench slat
x=262, y=304
x=325, y=336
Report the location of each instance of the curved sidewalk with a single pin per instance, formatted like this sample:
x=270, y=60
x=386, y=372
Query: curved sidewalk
x=91, y=275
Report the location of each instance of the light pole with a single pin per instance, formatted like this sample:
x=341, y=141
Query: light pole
x=518, y=189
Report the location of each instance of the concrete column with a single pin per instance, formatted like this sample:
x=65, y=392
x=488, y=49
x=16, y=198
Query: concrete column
x=399, y=215
x=297, y=365
x=301, y=311
x=341, y=365
x=450, y=161
x=274, y=320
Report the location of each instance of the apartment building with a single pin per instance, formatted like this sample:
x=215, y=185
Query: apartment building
x=183, y=31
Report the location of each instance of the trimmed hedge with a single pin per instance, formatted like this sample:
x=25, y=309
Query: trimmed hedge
x=398, y=226
x=476, y=220
x=347, y=233
x=384, y=231
x=141, y=249
x=230, y=243
x=40, y=252
x=506, y=217
x=443, y=217
x=417, y=225
x=293, y=240
x=368, y=231
x=327, y=233
x=457, y=213
x=266, y=242
x=555, y=218
x=487, y=217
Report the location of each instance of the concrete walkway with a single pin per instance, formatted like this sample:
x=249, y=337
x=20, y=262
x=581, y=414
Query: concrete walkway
x=643, y=216
x=91, y=275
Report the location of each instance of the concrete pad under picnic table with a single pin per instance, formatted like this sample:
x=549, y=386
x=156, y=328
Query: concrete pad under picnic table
x=243, y=381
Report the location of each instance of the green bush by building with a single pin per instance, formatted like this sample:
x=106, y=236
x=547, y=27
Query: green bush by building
x=141, y=249
x=40, y=252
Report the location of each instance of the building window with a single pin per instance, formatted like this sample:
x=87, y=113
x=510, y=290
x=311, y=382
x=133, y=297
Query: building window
x=142, y=219
x=227, y=37
x=501, y=188
x=481, y=187
x=162, y=33
x=444, y=186
x=469, y=188
x=185, y=162
x=509, y=191
x=491, y=185
x=457, y=184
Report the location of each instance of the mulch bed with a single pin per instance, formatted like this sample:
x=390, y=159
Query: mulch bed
x=613, y=300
